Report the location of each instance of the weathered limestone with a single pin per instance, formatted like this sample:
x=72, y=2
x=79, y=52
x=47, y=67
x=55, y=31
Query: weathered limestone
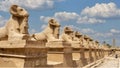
x=83, y=60
x=95, y=55
x=78, y=51
x=19, y=50
x=76, y=54
x=86, y=41
x=68, y=35
x=98, y=53
x=59, y=54
x=16, y=27
x=88, y=45
x=91, y=43
x=90, y=59
x=22, y=54
x=96, y=44
x=50, y=33
x=56, y=32
x=77, y=36
x=92, y=46
x=16, y=49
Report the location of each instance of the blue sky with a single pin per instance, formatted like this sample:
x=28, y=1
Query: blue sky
x=100, y=19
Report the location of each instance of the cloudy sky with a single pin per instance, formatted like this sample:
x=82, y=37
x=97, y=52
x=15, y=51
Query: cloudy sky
x=100, y=19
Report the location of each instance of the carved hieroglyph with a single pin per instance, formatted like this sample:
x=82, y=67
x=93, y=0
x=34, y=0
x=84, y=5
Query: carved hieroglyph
x=16, y=27
x=51, y=32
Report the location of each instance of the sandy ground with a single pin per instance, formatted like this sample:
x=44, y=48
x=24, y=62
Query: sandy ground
x=110, y=62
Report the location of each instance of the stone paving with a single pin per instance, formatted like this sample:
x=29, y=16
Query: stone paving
x=110, y=62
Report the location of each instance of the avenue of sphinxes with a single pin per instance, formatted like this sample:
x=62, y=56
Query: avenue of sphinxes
x=20, y=49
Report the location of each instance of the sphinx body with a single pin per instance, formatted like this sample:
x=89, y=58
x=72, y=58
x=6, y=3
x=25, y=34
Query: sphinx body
x=68, y=35
x=16, y=27
x=50, y=33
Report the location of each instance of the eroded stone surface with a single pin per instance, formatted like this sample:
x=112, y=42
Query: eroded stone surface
x=50, y=33
x=68, y=35
x=16, y=27
x=23, y=54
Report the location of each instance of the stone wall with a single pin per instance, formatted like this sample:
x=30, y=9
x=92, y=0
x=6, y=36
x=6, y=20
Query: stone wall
x=73, y=56
x=52, y=54
x=21, y=54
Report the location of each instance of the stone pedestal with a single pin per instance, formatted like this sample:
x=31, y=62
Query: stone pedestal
x=22, y=54
x=99, y=53
x=59, y=54
x=96, y=55
x=83, y=60
x=86, y=52
x=102, y=53
x=90, y=55
x=76, y=54
x=107, y=52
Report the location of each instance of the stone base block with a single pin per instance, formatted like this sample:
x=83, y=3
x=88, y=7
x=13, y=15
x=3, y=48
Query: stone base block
x=60, y=54
x=21, y=54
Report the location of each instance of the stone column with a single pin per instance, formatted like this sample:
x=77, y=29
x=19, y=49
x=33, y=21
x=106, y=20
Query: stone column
x=102, y=53
x=86, y=52
x=79, y=59
x=107, y=54
x=83, y=60
x=76, y=54
x=68, y=62
x=99, y=53
x=59, y=54
x=22, y=54
x=95, y=55
x=91, y=55
x=88, y=55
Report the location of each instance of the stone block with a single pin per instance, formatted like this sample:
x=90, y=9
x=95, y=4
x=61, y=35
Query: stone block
x=21, y=54
x=59, y=53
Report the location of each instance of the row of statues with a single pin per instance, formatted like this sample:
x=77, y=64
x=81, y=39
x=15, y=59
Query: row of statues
x=16, y=28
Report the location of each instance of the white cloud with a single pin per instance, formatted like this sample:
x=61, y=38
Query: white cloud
x=114, y=31
x=87, y=30
x=61, y=0
x=98, y=34
x=85, y=19
x=43, y=26
x=93, y=32
x=31, y=4
x=71, y=16
x=61, y=16
x=45, y=19
x=32, y=31
x=2, y=21
x=66, y=16
x=90, y=15
x=102, y=10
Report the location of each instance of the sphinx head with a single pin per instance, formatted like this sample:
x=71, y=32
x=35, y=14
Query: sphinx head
x=18, y=11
